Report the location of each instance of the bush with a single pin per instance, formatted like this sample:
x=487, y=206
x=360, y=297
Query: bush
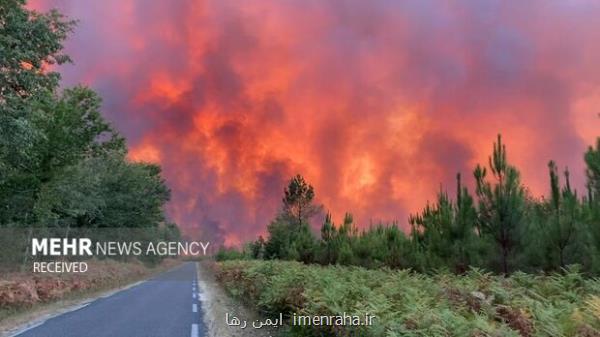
x=411, y=304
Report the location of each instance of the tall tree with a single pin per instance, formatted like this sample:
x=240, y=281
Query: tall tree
x=446, y=231
x=467, y=246
x=290, y=236
x=592, y=204
x=328, y=241
x=298, y=204
x=29, y=42
x=592, y=160
x=564, y=215
x=61, y=164
x=501, y=203
x=42, y=130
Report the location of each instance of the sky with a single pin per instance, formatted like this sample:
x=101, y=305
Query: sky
x=378, y=104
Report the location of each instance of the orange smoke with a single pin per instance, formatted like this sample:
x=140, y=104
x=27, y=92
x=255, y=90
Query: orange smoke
x=375, y=103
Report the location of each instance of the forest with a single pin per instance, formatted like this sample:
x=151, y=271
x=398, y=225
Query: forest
x=496, y=262
x=499, y=227
x=63, y=167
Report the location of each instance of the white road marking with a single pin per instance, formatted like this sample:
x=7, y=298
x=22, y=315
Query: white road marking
x=194, y=330
x=194, y=308
x=194, y=295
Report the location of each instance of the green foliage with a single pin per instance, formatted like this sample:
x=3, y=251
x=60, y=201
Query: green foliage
x=298, y=205
x=61, y=163
x=591, y=206
x=62, y=166
x=290, y=236
x=328, y=251
x=231, y=253
x=278, y=240
x=501, y=204
x=503, y=229
x=289, y=241
x=72, y=131
x=558, y=224
x=257, y=248
x=446, y=232
x=592, y=160
x=410, y=304
x=29, y=42
x=379, y=246
x=104, y=192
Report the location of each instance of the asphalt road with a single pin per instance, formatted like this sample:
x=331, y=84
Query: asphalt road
x=165, y=306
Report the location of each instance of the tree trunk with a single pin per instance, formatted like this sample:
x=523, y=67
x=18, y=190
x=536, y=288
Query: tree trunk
x=505, y=260
x=562, y=256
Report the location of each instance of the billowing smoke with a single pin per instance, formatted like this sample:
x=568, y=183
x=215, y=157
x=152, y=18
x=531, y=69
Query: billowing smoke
x=376, y=103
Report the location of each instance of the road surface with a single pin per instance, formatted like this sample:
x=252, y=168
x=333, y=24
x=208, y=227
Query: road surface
x=165, y=306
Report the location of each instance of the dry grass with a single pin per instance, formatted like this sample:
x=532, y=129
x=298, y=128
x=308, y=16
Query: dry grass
x=25, y=296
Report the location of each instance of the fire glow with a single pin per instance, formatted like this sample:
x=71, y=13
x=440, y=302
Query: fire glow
x=376, y=103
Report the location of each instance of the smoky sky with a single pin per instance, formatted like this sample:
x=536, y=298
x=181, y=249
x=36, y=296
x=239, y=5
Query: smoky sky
x=377, y=103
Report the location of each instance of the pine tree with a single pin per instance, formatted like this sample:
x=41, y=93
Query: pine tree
x=298, y=204
x=563, y=211
x=328, y=237
x=592, y=204
x=466, y=243
x=445, y=231
x=592, y=160
x=290, y=236
x=501, y=203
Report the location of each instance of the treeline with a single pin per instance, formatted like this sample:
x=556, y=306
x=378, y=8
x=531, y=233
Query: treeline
x=500, y=227
x=61, y=164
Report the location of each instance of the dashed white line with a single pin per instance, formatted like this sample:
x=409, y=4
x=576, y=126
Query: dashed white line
x=194, y=295
x=194, y=307
x=194, y=332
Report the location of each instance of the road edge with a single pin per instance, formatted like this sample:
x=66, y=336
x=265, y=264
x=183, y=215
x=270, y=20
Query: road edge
x=216, y=302
x=74, y=306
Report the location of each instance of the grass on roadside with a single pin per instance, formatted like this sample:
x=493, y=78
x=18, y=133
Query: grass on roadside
x=24, y=294
x=412, y=304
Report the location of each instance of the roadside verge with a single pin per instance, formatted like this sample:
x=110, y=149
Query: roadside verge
x=216, y=303
x=26, y=301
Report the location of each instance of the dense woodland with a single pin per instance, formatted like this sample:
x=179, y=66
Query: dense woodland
x=499, y=227
x=62, y=165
